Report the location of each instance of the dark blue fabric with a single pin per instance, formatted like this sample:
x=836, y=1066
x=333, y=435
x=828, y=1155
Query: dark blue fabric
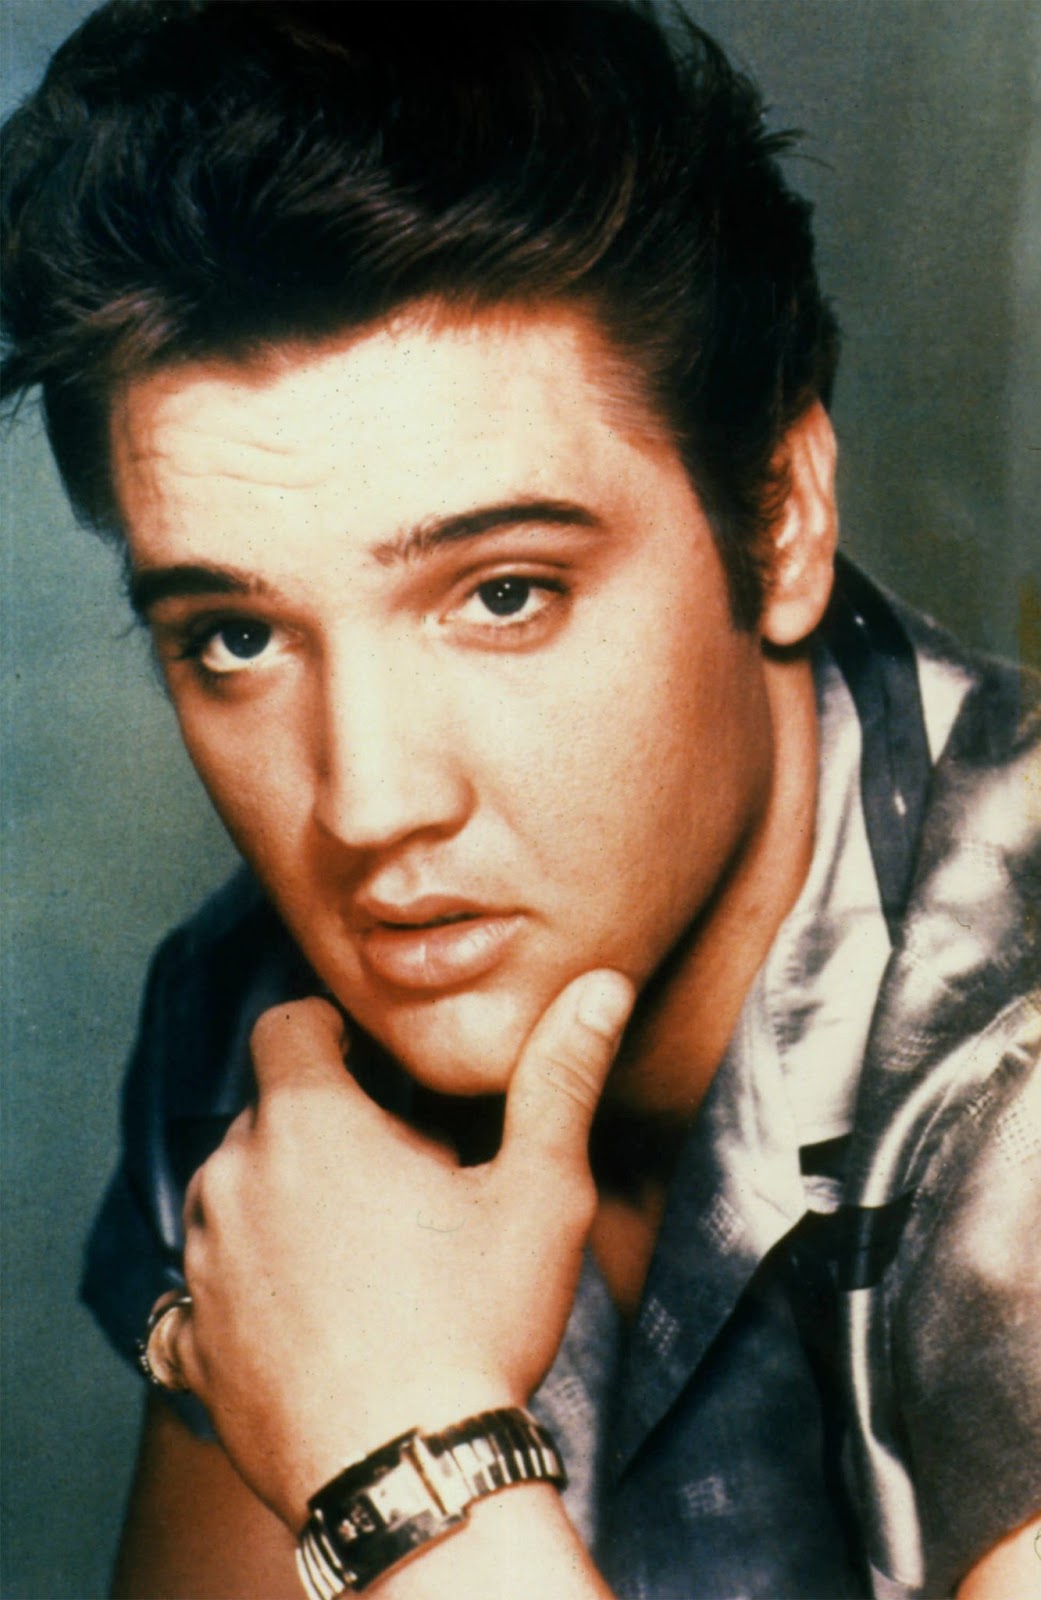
x=877, y=660
x=729, y=1494
x=720, y=1481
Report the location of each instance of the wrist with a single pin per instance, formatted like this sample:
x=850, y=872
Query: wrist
x=320, y=1452
x=415, y=1491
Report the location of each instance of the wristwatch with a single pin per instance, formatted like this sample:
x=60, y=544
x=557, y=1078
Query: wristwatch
x=413, y=1491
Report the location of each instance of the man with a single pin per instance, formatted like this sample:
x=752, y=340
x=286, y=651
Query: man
x=466, y=432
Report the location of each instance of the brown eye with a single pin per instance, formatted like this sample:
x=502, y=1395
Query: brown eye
x=504, y=597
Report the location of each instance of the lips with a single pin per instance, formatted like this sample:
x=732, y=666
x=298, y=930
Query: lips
x=434, y=942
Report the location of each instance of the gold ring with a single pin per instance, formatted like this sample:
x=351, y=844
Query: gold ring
x=153, y=1351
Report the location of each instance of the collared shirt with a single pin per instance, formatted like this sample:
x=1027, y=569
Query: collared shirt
x=695, y=1438
x=701, y=1442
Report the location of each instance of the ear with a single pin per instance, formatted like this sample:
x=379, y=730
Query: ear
x=804, y=535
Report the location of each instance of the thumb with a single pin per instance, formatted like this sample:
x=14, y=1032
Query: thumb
x=560, y=1075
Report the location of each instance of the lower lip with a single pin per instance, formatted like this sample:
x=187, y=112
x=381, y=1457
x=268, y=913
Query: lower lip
x=441, y=957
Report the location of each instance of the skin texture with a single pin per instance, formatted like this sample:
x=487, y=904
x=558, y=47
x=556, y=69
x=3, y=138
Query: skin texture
x=595, y=769
x=447, y=635
x=193, y=1528
x=427, y=1263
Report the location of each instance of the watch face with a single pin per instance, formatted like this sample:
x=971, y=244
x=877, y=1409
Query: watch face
x=415, y=1490
x=359, y=1517
x=378, y=1511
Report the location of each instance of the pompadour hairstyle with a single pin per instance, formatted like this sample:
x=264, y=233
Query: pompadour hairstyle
x=214, y=177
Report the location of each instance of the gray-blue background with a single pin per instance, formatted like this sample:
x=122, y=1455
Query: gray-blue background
x=926, y=163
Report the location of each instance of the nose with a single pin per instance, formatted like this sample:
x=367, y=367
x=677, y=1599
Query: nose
x=389, y=755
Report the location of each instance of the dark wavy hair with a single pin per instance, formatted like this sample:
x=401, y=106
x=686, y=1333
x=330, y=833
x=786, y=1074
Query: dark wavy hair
x=209, y=177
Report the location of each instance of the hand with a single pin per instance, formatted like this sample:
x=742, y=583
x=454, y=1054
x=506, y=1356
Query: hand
x=351, y=1281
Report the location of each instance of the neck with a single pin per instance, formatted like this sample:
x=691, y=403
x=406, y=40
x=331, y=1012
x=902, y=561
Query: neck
x=689, y=1010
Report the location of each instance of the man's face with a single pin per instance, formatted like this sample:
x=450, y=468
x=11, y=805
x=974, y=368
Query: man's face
x=449, y=642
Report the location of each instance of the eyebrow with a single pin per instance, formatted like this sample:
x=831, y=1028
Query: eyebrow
x=429, y=536
x=146, y=588
x=149, y=586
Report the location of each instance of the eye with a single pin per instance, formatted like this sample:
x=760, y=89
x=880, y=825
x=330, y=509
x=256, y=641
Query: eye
x=229, y=646
x=234, y=644
x=243, y=640
x=505, y=597
x=510, y=609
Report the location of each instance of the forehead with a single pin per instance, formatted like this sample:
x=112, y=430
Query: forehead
x=424, y=411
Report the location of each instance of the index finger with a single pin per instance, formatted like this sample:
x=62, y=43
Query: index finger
x=299, y=1040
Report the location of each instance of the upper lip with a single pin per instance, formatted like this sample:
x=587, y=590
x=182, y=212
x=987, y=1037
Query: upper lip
x=424, y=910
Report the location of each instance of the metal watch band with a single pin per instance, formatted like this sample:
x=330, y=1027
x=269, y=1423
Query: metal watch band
x=413, y=1491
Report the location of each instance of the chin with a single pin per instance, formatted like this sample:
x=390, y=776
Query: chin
x=463, y=1044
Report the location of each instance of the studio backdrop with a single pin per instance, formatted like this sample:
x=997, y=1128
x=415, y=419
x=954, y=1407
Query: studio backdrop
x=923, y=155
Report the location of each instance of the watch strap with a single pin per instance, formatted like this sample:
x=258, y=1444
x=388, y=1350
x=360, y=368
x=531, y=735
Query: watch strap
x=415, y=1490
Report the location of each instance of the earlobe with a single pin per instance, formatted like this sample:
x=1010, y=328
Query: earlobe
x=805, y=534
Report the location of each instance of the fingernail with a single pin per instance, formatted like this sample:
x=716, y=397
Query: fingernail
x=604, y=999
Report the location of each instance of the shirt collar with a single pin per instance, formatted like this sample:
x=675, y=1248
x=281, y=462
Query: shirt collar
x=787, y=1079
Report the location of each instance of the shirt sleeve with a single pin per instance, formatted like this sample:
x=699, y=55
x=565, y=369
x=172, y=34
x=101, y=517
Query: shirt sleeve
x=134, y=1247
x=967, y=1345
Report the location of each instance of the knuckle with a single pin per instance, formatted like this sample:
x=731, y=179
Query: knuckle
x=573, y=1074
x=192, y=1197
x=590, y=1047
x=210, y=1187
x=193, y=1262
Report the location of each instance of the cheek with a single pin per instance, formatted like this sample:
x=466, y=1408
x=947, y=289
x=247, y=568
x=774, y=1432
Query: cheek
x=614, y=740
x=254, y=776
x=649, y=782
